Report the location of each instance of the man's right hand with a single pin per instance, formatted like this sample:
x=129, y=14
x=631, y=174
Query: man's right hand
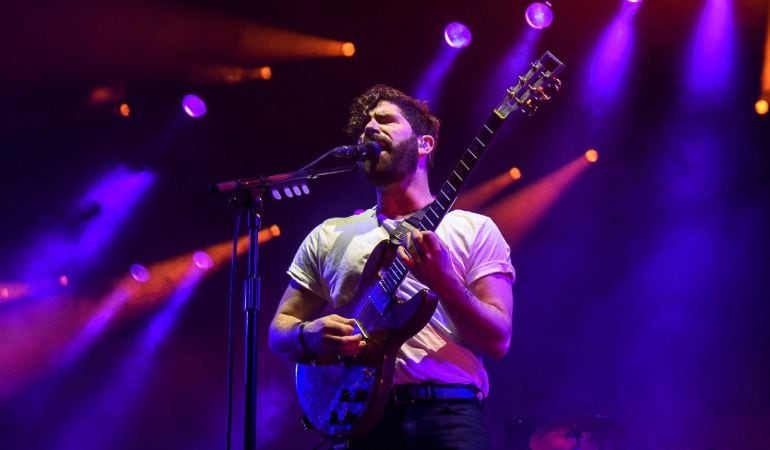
x=333, y=335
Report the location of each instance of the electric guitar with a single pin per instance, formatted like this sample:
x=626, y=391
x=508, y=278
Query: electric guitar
x=343, y=398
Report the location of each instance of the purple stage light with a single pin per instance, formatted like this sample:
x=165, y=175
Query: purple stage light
x=140, y=273
x=194, y=106
x=539, y=15
x=202, y=260
x=712, y=52
x=457, y=35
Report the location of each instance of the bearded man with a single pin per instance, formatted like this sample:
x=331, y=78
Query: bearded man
x=439, y=379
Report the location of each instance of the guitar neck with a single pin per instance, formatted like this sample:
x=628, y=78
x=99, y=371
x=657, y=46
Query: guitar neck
x=447, y=195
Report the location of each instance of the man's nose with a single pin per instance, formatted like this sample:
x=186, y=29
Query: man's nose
x=370, y=130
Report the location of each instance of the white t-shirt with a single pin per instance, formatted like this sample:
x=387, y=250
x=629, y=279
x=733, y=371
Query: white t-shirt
x=330, y=260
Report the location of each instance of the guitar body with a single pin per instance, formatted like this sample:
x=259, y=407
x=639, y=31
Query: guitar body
x=344, y=398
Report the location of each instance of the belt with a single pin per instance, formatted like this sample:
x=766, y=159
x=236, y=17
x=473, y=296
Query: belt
x=412, y=393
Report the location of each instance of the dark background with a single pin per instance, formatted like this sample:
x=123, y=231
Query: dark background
x=641, y=296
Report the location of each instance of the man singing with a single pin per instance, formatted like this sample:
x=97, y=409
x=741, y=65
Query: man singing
x=439, y=381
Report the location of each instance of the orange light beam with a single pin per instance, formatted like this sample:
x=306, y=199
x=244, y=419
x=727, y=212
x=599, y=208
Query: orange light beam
x=766, y=67
x=476, y=197
x=50, y=334
x=517, y=214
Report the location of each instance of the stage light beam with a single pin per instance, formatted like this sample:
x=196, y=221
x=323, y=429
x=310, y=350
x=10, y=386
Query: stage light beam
x=478, y=196
x=519, y=213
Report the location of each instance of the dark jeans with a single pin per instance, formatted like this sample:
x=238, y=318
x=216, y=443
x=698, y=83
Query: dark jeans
x=436, y=424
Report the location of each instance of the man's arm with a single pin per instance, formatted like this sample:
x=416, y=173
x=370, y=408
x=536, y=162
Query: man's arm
x=482, y=312
x=327, y=335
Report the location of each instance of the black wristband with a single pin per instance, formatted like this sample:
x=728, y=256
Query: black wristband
x=301, y=334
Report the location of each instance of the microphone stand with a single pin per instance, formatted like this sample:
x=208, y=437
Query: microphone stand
x=247, y=193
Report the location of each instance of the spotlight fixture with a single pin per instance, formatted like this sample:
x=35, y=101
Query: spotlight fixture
x=761, y=107
x=539, y=15
x=202, y=260
x=140, y=273
x=348, y=49
x=457, y=35
x=194, y=106
x=592, y=155
x=515, y=173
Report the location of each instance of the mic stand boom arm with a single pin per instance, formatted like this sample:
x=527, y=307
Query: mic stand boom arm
x=263, y=182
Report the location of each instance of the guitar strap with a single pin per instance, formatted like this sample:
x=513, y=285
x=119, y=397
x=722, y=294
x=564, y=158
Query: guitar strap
x=400, y=234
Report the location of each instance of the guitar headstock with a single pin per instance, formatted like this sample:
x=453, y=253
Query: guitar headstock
x=534, y=88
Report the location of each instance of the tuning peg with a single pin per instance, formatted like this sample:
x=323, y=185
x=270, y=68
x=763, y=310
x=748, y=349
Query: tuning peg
x=541, y=95
x=554, y=83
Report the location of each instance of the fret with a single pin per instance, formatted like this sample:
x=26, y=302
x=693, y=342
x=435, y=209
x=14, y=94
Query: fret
x=462, y=171
x=471, y=153
x=433, y=225
x=440, y=205
x=445, y=196
x=488, y=129
x=465, y=165
x=387, y=282
x=486, y=135
x=377, y=298
x=459, y=177
x=437, y=215
x=398, y=269
x=471, y=156
x=481, y=143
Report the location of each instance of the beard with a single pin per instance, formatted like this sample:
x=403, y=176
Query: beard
x=394, y=164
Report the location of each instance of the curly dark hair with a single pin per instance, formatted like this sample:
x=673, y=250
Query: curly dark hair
x=415, y=111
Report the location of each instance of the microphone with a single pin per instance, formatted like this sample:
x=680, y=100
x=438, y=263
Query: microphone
x=369, y=150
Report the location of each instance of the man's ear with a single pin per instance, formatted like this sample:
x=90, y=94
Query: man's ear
x=425, y=144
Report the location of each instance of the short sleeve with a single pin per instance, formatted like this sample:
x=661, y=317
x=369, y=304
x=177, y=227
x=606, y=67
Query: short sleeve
x=305, y=268
x=489, y=253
